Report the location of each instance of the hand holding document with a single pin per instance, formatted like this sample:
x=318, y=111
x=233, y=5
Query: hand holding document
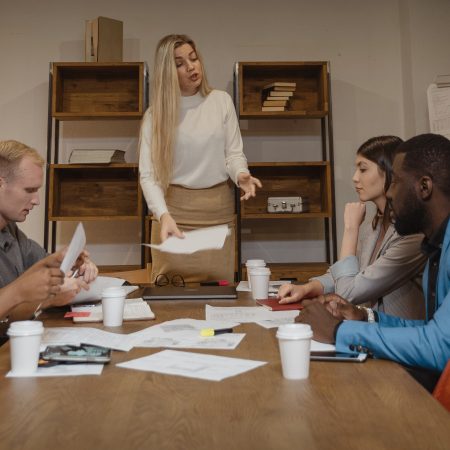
x=210, y=238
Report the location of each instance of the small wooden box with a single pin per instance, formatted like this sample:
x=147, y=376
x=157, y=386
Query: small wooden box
x=83, y=91
x=104, y=40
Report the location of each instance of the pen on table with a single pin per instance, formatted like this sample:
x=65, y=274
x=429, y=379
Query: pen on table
x=214, y=283
x=206, y=332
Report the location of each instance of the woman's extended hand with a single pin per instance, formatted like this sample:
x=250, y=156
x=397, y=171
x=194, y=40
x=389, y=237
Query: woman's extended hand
x=169, y=227
x=248, y=184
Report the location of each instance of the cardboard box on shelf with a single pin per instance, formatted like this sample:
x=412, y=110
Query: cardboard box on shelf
x=104, y=40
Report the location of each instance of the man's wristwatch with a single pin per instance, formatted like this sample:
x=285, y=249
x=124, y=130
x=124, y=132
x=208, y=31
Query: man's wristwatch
x=369, y=313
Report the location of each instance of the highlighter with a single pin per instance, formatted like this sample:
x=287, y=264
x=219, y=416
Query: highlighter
x=207, y=332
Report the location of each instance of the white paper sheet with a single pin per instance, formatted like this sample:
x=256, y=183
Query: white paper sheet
x=439, y=109
x=185, y=333
x=246, y=314
x=273, y=286
x=321, y=347
x=85, y=335
x=96, y=287
x=62, y=370
x=76, y=246
x=275, y=323
x=210, y=238
x=192, y=365
x=135, y=309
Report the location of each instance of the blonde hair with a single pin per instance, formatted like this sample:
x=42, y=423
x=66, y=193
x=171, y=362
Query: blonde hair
x=11, y=154
x=165, y=104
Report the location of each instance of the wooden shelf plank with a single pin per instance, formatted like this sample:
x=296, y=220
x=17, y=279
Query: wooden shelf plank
x=272, y=216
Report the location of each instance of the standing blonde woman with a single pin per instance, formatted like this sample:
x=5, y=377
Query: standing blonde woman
x=190, y=148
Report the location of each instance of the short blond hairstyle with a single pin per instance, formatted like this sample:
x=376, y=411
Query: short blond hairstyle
x=11, y=154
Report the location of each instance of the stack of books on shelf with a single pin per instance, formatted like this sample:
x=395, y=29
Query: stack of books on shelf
x=94, y=156
x=276, y=96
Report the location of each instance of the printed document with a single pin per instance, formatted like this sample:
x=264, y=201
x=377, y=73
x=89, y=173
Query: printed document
x=185, y=333
x=94, y=293
x=246, y=314
x=192, y=365
x=210, y=238
x=439, y=109
x=62, y=370
x=273, y=286
x=82, y=335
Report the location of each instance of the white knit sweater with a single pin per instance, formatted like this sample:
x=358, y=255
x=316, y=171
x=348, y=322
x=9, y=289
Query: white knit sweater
x=208, y=148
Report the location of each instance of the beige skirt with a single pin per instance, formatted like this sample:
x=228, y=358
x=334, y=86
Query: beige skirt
x=192, y=209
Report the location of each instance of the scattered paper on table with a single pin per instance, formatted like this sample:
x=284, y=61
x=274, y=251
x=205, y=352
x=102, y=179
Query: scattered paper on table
x=273, y=286
x=96, y=287
x=185, y=333
x=85, y=335
x=321, y=347
x=76, y=246
x=192, y=365
x=135, y=309
x=276, y=322
x=246, y=314
x=62, y=370
x=210, y=238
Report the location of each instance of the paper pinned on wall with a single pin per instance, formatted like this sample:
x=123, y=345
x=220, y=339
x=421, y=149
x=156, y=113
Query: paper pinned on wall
x=210, y=238
x=439, y=109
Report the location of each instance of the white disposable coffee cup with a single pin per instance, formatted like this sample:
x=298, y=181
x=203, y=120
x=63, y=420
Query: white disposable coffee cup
x=25, y=341
x=294, y=340
x=113, y=303
x=260, y=277
x=251, y=264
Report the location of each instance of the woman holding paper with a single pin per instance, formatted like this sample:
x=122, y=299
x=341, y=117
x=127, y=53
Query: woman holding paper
x=376, y=266
x=190, y=148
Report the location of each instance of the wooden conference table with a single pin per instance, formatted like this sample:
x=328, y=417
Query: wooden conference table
x=374, y=405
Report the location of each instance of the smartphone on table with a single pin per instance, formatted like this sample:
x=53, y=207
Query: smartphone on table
x=336, y=356
x=83, y=353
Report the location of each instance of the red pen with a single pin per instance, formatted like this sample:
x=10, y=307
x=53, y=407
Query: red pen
x=214, y=283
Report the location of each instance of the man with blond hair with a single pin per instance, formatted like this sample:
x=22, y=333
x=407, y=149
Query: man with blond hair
x=21, y=177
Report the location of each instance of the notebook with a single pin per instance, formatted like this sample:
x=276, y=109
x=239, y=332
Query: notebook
x=188, y=292
x=135, y=309
x=273, y=305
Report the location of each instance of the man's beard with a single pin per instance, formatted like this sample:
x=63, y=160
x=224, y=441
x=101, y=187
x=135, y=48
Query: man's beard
x=412, y=217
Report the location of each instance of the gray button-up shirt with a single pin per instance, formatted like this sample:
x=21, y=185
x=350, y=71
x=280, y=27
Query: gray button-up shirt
x=17, y=253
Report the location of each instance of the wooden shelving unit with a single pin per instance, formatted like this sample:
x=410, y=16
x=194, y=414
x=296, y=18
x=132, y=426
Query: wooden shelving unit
x=311, y=96
x=93, y=192
x=312, y=180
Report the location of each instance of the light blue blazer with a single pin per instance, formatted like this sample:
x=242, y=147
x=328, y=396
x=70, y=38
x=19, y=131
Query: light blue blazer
x=413, y=342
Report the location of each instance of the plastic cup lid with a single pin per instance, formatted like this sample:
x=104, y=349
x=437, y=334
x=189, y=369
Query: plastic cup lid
x=294, y=331
x=114, y=291
x=255, y=263
x=25, y=328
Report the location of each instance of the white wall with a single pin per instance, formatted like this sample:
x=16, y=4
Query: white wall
x=383, y=55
